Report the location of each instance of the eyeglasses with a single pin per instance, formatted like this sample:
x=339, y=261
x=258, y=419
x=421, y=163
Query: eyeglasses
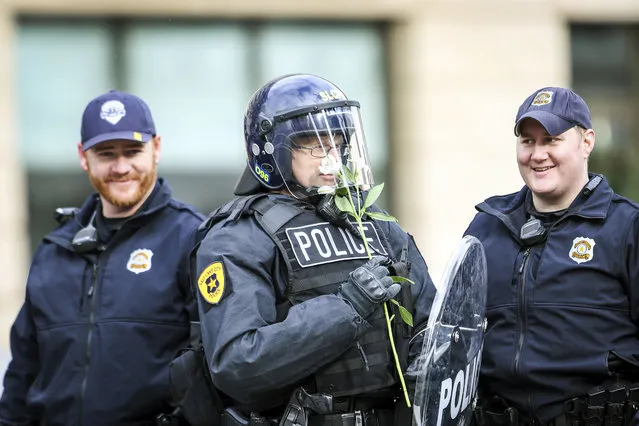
x=320, y=151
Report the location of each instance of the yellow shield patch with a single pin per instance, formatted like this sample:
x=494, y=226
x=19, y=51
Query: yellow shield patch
x=211, y=283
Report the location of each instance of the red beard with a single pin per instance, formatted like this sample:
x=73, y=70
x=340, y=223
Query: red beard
x=145, y=183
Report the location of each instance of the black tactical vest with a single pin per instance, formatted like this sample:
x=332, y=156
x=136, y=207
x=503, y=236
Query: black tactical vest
x=319, y=257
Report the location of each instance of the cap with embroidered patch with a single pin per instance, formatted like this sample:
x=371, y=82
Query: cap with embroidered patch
x=556, y=108
x=116, y=115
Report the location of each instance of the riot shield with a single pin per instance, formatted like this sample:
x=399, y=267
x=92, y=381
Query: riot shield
x=448, y=366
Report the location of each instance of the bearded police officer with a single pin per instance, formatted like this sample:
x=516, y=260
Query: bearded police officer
x=562, y=345
x=108, y=302
x=291, y=306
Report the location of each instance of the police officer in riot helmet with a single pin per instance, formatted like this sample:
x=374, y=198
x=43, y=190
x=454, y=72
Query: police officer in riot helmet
x=291, y=303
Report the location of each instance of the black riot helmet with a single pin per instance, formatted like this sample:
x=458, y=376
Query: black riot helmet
x=303, y=112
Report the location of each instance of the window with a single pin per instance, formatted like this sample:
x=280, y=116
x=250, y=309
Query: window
x=197, y=77
x=605, y=71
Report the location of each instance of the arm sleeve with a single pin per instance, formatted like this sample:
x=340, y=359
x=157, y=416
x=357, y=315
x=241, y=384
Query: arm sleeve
x=185, y=279
x=632, y=265
x=248, y=350
x=22, y=370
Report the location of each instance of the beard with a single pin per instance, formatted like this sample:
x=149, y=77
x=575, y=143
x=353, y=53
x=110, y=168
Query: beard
x=145, y=181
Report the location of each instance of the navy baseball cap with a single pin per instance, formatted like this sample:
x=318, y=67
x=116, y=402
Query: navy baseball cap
x=556, y=108
x=116, y=115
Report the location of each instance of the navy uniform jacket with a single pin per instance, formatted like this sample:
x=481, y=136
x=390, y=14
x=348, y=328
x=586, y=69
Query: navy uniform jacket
x=559, y=310
x=93, y=341
x=254, y=358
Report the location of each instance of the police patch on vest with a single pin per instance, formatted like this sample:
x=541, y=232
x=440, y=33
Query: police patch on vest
x=211, y=283
x=324, y=243
x=582, y=249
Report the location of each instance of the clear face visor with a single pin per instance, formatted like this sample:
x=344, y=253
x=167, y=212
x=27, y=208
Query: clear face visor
x=324, y=150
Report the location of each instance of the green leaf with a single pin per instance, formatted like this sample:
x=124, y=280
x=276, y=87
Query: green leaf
x=341, y=191
x=373, y=195
x=406, y=316
x=381, y=216
x=398, y=279
x=348, y=174
x=344, y=204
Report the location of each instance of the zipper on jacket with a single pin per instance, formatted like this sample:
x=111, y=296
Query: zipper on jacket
x=94, y=279
x=523, y=317
x=83, y=286
x=521, y=308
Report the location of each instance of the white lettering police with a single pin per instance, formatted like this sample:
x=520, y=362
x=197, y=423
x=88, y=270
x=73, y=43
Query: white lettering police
x=458, y=391
x=324, y=243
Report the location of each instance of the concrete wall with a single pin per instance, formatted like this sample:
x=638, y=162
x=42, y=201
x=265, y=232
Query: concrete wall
x=458, y=71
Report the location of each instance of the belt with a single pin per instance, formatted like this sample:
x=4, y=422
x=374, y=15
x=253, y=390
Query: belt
x=373, y=417
x=345, y=419
x=591, y=416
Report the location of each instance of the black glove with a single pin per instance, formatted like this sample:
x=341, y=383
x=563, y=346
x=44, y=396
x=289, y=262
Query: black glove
x=368, y=286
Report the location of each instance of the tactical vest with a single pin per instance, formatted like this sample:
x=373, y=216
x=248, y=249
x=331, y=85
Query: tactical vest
x=319, y=257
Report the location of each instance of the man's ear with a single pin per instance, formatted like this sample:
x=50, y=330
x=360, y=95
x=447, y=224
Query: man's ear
x=589, y=142
x=82, y=156
x=157, y=147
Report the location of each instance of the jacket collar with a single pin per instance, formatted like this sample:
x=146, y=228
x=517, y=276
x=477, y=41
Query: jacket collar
x=159, y=198
x=591, y=203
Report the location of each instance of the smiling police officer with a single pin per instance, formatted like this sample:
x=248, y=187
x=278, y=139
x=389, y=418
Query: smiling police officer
x=108, y=302
x=290, y=304
x=562, y=345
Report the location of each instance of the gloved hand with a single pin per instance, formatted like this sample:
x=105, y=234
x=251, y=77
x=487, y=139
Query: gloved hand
x=368, y=286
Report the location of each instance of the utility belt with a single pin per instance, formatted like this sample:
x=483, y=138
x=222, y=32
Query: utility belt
x=371, y=417
x=603, y=406
x=306, y=409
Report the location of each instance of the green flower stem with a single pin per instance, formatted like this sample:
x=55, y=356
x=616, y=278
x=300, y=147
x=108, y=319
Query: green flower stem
x=395, y=356
x=361, y=231
x=358, y=218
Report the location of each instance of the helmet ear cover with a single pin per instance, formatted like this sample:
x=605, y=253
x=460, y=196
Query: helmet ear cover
x=265, y=125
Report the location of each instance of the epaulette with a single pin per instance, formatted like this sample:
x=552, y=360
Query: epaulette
x=230, y=211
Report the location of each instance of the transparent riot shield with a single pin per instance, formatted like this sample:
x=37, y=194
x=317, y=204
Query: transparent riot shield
x=448, y=366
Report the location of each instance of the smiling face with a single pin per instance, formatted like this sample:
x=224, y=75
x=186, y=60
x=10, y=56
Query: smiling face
x=122, y=172
x=555, y=168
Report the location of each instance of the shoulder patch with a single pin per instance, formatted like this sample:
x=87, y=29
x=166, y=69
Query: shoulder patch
x=211, y=283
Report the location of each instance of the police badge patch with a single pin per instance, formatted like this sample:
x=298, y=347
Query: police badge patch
x=212, y=283
x=139, y=261
x=582, y=249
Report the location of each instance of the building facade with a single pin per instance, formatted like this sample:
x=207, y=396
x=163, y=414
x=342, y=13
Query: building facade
x=442, y=82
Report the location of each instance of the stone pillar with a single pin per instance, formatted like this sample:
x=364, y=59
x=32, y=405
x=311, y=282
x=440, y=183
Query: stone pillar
x=459, y=70
x=13, y=196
